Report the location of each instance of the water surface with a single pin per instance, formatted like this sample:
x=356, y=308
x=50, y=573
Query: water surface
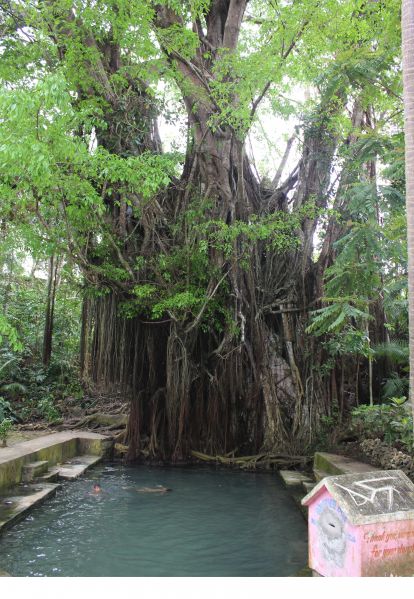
x=213, y=523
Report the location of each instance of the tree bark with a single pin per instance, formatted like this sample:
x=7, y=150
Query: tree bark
x=52, y=286
x=84, y=338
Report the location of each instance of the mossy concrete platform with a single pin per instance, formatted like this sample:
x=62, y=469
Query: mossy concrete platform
x=56, y=449
x=72, y=469
x=330, y=464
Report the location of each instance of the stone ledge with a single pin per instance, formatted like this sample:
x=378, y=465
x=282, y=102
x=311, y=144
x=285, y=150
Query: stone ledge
x=55, y=449
x=76, y=467
x=293, y=478
x=48, y=441
x=330, y=464
x=21, y=504
x=294, y=481
x=33, y=470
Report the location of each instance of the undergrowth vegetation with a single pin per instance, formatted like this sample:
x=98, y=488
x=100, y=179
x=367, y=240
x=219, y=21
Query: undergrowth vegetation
x=391, y=422
x=30, y=389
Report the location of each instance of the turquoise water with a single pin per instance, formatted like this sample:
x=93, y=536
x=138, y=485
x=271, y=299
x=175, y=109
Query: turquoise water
x=213, y=523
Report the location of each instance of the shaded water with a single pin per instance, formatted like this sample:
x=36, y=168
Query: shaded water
x=213, y=523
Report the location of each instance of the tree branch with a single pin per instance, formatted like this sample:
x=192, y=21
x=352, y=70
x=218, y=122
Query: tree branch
x=233, y=23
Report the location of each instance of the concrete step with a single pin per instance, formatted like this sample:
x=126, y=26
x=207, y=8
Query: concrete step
x=308, y=486
x=21, y=500
x=33, y=470
x=76, y=466
x=295, y=482
x=55, y=448
x=294, y=478
x=51, y=476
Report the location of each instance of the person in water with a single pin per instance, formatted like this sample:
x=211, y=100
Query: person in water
x=96, y=489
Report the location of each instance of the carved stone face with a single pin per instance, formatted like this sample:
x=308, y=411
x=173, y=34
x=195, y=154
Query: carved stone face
x=332, y=537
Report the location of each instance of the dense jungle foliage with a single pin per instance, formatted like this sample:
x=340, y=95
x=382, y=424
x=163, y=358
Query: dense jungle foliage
x=203, y=208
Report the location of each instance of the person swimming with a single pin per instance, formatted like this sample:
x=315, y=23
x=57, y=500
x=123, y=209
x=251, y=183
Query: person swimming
x=96, y=489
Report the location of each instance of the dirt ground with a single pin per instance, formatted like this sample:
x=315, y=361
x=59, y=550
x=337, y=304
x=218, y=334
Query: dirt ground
x=17, y=436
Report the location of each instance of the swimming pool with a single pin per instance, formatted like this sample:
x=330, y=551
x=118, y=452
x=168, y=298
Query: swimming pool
x=213, y=523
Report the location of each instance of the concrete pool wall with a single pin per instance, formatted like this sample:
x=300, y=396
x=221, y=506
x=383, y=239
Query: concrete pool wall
x=54, y=449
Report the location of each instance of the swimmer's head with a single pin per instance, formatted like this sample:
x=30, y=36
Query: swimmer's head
x=97, y=488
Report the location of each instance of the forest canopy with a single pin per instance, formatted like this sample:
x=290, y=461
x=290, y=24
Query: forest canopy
x=237, y=305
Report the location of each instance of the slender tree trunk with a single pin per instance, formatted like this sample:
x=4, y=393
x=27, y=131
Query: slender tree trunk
x=408, y=71
x=84, y=338
x=9, y=264
x=52, y=285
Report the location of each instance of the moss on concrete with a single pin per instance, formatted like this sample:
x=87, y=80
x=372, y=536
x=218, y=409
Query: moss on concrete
x=56, y=454
x=92, y=446
x=11, y=472
x=329, y=464
x=67, y=446
x=323, y=462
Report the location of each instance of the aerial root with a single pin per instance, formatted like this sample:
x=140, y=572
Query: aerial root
x=111, y=421
x=261, y=460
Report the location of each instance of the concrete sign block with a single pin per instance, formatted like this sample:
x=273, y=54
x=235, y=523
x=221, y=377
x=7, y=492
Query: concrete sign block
x=362, y=525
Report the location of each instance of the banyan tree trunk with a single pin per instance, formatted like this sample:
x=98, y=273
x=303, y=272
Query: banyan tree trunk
x=193, y=387
x=252, y=380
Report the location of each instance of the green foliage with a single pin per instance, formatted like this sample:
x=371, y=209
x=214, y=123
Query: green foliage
x=368, y=262
x=45, y=388
x=50, y=171
x=397, y=351
x=392, y=423
x=178, y=283
x=5, y=408
x=8, y=331
x=28, y=389
x=332, y=319
x=327, y=431
x=179, y=303
x=5, y=427
x=394, y=385
x=47, y=409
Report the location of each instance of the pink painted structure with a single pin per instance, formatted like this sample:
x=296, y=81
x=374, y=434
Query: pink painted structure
x=362, y=525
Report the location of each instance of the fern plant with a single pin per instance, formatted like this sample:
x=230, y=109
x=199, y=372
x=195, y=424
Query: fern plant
x=396, y=351
x=334, y=317
x=397, y=354
x=355, y=280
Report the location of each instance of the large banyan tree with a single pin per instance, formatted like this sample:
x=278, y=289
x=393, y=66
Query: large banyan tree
x=199, y=277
